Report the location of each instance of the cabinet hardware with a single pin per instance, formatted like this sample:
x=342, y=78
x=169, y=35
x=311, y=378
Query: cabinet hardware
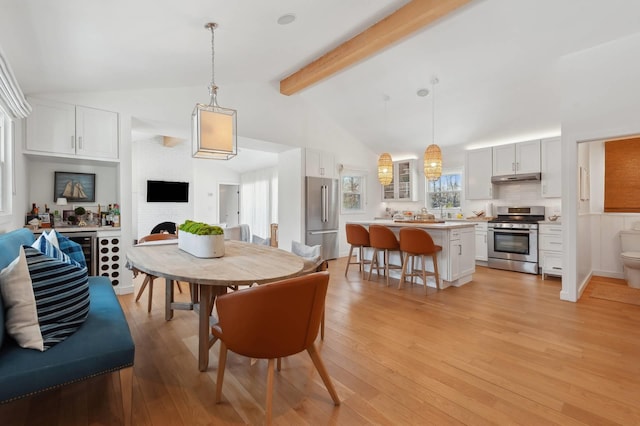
x=80, y=142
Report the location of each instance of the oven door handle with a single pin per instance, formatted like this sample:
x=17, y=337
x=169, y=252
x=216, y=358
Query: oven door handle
x=512, y=231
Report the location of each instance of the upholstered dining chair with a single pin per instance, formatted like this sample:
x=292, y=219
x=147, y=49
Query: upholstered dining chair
x=382, y=239
x=148, y=279
x=358, y=238
x=416, y=242
x=271, y=321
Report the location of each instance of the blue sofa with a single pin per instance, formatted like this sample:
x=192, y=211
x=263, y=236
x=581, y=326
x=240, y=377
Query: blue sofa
x=103, y=344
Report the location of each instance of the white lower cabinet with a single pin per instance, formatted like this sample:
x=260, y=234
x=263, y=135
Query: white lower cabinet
x=482, y=251
x=462, y=253
x=550, y=249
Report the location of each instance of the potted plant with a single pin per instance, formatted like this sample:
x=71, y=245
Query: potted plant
x=201, y=239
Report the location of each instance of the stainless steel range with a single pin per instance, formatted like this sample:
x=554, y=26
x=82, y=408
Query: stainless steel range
x=513, y=238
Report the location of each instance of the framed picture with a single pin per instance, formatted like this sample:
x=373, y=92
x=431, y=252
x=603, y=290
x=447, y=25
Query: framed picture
x=44, y=218
x=75, y=186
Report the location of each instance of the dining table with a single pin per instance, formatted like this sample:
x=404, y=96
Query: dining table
x=243, y=264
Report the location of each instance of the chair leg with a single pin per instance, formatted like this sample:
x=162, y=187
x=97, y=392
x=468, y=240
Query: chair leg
x=321, y=327
x=424, y=272
x=348, y=260
x=150, y=294
x=405, y=264
x=179, y=287
x=269, y=403
x=279, y=364
x=317, y=361
x=435, y=270
x=143, y=286
x=374, y=263
x=126, y=393
x=222, y=361
x=386, y=266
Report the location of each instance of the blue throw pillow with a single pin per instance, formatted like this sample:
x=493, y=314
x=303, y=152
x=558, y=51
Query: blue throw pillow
x=46, y=247
x=71, y=248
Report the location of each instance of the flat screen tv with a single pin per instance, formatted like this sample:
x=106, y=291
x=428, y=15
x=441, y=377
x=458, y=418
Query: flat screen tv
x=159, y=191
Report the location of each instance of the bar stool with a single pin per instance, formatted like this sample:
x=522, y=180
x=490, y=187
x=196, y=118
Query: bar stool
x=416, y=242
x=358, y=237
x=383, y=238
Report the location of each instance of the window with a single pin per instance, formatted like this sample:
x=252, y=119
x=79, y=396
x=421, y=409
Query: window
x=352, y=192
x=444, y=193
x=5, y=165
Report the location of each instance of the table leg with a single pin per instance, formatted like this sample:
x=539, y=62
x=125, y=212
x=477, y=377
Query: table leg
x=168, y=310
x=208, y=295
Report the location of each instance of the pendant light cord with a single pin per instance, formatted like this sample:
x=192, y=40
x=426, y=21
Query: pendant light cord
x=213, y=89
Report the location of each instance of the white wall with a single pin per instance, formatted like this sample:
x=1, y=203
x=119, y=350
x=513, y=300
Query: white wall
x=290, y=198
x=600, y=100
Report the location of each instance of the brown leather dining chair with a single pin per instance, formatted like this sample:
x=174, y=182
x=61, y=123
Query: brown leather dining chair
x=382, y=239
x=148, y=279
x=272, y=321
x=358, y=238
x=415, y=242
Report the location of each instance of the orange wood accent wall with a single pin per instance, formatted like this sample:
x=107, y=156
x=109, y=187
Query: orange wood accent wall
x=622, y=175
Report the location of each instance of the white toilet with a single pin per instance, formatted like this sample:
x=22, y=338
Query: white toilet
x=630, y=244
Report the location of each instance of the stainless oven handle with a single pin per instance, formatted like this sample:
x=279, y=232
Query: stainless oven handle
x=512, y=231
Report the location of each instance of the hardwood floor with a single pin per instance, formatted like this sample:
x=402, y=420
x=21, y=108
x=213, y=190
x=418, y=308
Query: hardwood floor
x=502, y=349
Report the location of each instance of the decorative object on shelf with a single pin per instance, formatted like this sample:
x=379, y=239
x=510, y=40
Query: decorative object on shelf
x=433, y=154
x=74, y=187
x=385, y=169
x=214, y=127
x=200, y=239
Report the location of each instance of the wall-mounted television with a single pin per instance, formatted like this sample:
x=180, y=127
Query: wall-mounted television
x=160, y=191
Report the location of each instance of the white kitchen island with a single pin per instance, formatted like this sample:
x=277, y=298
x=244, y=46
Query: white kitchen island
x=456, y=261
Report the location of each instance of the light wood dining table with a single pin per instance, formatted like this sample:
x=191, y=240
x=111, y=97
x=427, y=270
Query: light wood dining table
x=242, y=264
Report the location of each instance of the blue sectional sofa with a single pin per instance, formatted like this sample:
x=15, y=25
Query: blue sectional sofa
x=103, y=344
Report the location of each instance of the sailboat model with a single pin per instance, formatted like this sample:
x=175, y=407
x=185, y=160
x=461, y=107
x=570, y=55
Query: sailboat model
x=78, y=191
x=74, y=191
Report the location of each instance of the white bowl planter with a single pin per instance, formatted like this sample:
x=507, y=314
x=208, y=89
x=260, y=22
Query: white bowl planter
x=205, y=246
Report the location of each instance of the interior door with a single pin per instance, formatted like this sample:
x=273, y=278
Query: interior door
x=229, y=204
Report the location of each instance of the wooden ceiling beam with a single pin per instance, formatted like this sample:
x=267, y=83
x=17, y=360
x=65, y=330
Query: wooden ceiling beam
x=409, y=18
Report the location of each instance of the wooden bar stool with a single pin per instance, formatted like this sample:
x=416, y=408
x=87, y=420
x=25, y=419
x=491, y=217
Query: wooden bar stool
x=383, y=239
x=358, y=237
x=416, y=242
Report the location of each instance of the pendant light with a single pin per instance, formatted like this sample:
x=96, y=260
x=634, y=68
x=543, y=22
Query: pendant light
x=385, y=169
x=385, y=163
x=433, y=154
x=213, y=127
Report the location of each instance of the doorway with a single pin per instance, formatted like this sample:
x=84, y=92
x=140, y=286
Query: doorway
x=229, y=204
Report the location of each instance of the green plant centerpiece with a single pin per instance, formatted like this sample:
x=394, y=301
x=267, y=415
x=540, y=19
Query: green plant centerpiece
x=201, y=239
x=80, y=215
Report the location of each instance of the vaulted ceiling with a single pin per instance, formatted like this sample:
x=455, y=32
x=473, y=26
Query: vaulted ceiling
x=496, y=61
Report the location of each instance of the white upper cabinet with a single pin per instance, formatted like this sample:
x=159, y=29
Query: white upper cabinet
x=551, y=150
x=516, y=158
x=478, y=172
x=59, y=129
x=404, y=186
x=320, y=164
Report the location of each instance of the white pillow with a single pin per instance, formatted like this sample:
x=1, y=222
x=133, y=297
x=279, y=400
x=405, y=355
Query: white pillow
x=305, y=250
x=17, y=294
x=52, y=238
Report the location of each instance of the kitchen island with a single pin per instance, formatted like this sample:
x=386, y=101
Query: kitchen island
x=456, y=261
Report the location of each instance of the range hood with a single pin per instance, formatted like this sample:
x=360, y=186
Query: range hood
x=523, y=177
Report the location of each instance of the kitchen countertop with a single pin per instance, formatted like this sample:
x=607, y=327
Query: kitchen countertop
x=388, y=222
x=63, y=229
x=550, y=222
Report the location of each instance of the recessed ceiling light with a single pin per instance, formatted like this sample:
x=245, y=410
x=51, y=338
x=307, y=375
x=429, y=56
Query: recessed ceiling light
x=422, y=92
x=286, y=19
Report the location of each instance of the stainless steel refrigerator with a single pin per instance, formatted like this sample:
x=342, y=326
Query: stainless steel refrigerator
x=322, y=215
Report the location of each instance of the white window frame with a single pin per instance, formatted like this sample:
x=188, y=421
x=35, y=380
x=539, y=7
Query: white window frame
x=428, y=193
x=361, y=175
x=6, y=166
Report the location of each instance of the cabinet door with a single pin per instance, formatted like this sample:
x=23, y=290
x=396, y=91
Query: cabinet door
x=504, y=160
x=528, y=157
x=96, y=132
x=328, y=165
x=51, y=127
x=467, y=262
x=482, y=252
x=402, y=175
x=551, y=166
x=312, y=163
x=478, y=174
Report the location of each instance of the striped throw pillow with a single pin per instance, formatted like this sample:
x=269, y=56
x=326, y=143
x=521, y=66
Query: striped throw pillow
x=45, y=294
x=71, y=248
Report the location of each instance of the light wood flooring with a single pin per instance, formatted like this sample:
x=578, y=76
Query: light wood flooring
x=503, y=349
